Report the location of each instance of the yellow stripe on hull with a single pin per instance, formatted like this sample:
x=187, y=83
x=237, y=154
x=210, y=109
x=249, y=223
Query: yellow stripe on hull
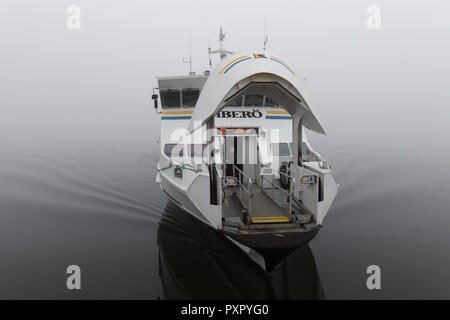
x=191, y=112
x=279, y=219
x=287, y=66
x=277, y=112
x=221, y=71
x=177, y=112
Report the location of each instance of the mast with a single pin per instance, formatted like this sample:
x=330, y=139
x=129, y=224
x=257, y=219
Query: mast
x=266, y=37
x=221, y=51
x=190, y=57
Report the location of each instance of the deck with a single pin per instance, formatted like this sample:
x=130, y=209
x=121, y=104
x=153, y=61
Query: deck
x=268, y=206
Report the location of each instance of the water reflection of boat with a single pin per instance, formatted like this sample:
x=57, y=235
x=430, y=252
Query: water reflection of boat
x=195, y=262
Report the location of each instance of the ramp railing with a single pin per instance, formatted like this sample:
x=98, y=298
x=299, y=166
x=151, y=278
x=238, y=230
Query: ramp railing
x=274, y=186
x=248, y=189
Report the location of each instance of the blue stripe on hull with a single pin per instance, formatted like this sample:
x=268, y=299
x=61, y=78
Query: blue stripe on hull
x=279, y=117
x=176, y=118
x=282, y=65
x=235, y=64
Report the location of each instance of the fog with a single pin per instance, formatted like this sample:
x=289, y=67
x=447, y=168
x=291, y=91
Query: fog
x=385, y=87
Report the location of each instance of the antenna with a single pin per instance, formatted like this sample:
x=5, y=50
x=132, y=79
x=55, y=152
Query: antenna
x=221, y=51
x=266, y=38
x=209, y=49
x=190, y=57
x=209, y=56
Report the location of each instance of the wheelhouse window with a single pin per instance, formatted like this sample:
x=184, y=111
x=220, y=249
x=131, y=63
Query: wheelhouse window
x=280, y=149
x=236, y=102
x=170, y=98
x=173, y=150
x=269, y=102
x=253, y=100
x=190, y=97
x=304, y=149
x=196, y=150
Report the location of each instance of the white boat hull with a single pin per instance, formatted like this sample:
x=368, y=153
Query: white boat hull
x=181, y=199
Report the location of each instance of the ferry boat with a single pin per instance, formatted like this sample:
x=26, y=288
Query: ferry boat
x=234, y=152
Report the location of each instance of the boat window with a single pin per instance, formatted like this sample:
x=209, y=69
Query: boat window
x=196, y=149
x=269, y=102
x=304, y=147
x=253, y=100
x=237, y=102
x=280, y=149
x=173, y=150
x=190, y=97
x=170, y=98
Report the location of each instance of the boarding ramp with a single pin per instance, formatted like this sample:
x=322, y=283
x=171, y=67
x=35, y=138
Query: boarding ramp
x=260, y=201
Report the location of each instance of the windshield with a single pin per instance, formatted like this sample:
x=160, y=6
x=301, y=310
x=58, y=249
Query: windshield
x=173, y=150
x=170, y=98
x=196, y=149
x=190, y=97
x=253, y=100
x=280, y=149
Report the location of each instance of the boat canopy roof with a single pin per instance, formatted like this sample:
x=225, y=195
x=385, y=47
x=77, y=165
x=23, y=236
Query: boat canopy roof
x=179, y=82
x=255, y=72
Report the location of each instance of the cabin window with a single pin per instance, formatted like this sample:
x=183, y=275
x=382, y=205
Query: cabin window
x=190, y=97
x=269, y=102
x=304, y=149
x=253, y=100
x=280, y=149
x=237, y=102
x=173, y=150
x=170, y=98
x=196, y=150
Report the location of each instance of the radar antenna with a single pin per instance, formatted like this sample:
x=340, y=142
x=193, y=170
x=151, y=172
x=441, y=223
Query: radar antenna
x=221, y=51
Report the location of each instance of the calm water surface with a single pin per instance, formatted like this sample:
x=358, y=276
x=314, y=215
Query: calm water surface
x=101, y=209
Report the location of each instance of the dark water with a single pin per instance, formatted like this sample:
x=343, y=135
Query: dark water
x=106, y=214
x=101, y=209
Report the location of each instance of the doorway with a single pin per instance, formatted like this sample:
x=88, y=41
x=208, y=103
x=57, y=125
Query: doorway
x=241, y=150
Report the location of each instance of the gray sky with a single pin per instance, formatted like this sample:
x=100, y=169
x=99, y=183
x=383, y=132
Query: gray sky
x=385, y=87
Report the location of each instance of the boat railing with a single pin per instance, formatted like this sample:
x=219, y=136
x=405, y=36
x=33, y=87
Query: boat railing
x=248, y=189
x=289, y=192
